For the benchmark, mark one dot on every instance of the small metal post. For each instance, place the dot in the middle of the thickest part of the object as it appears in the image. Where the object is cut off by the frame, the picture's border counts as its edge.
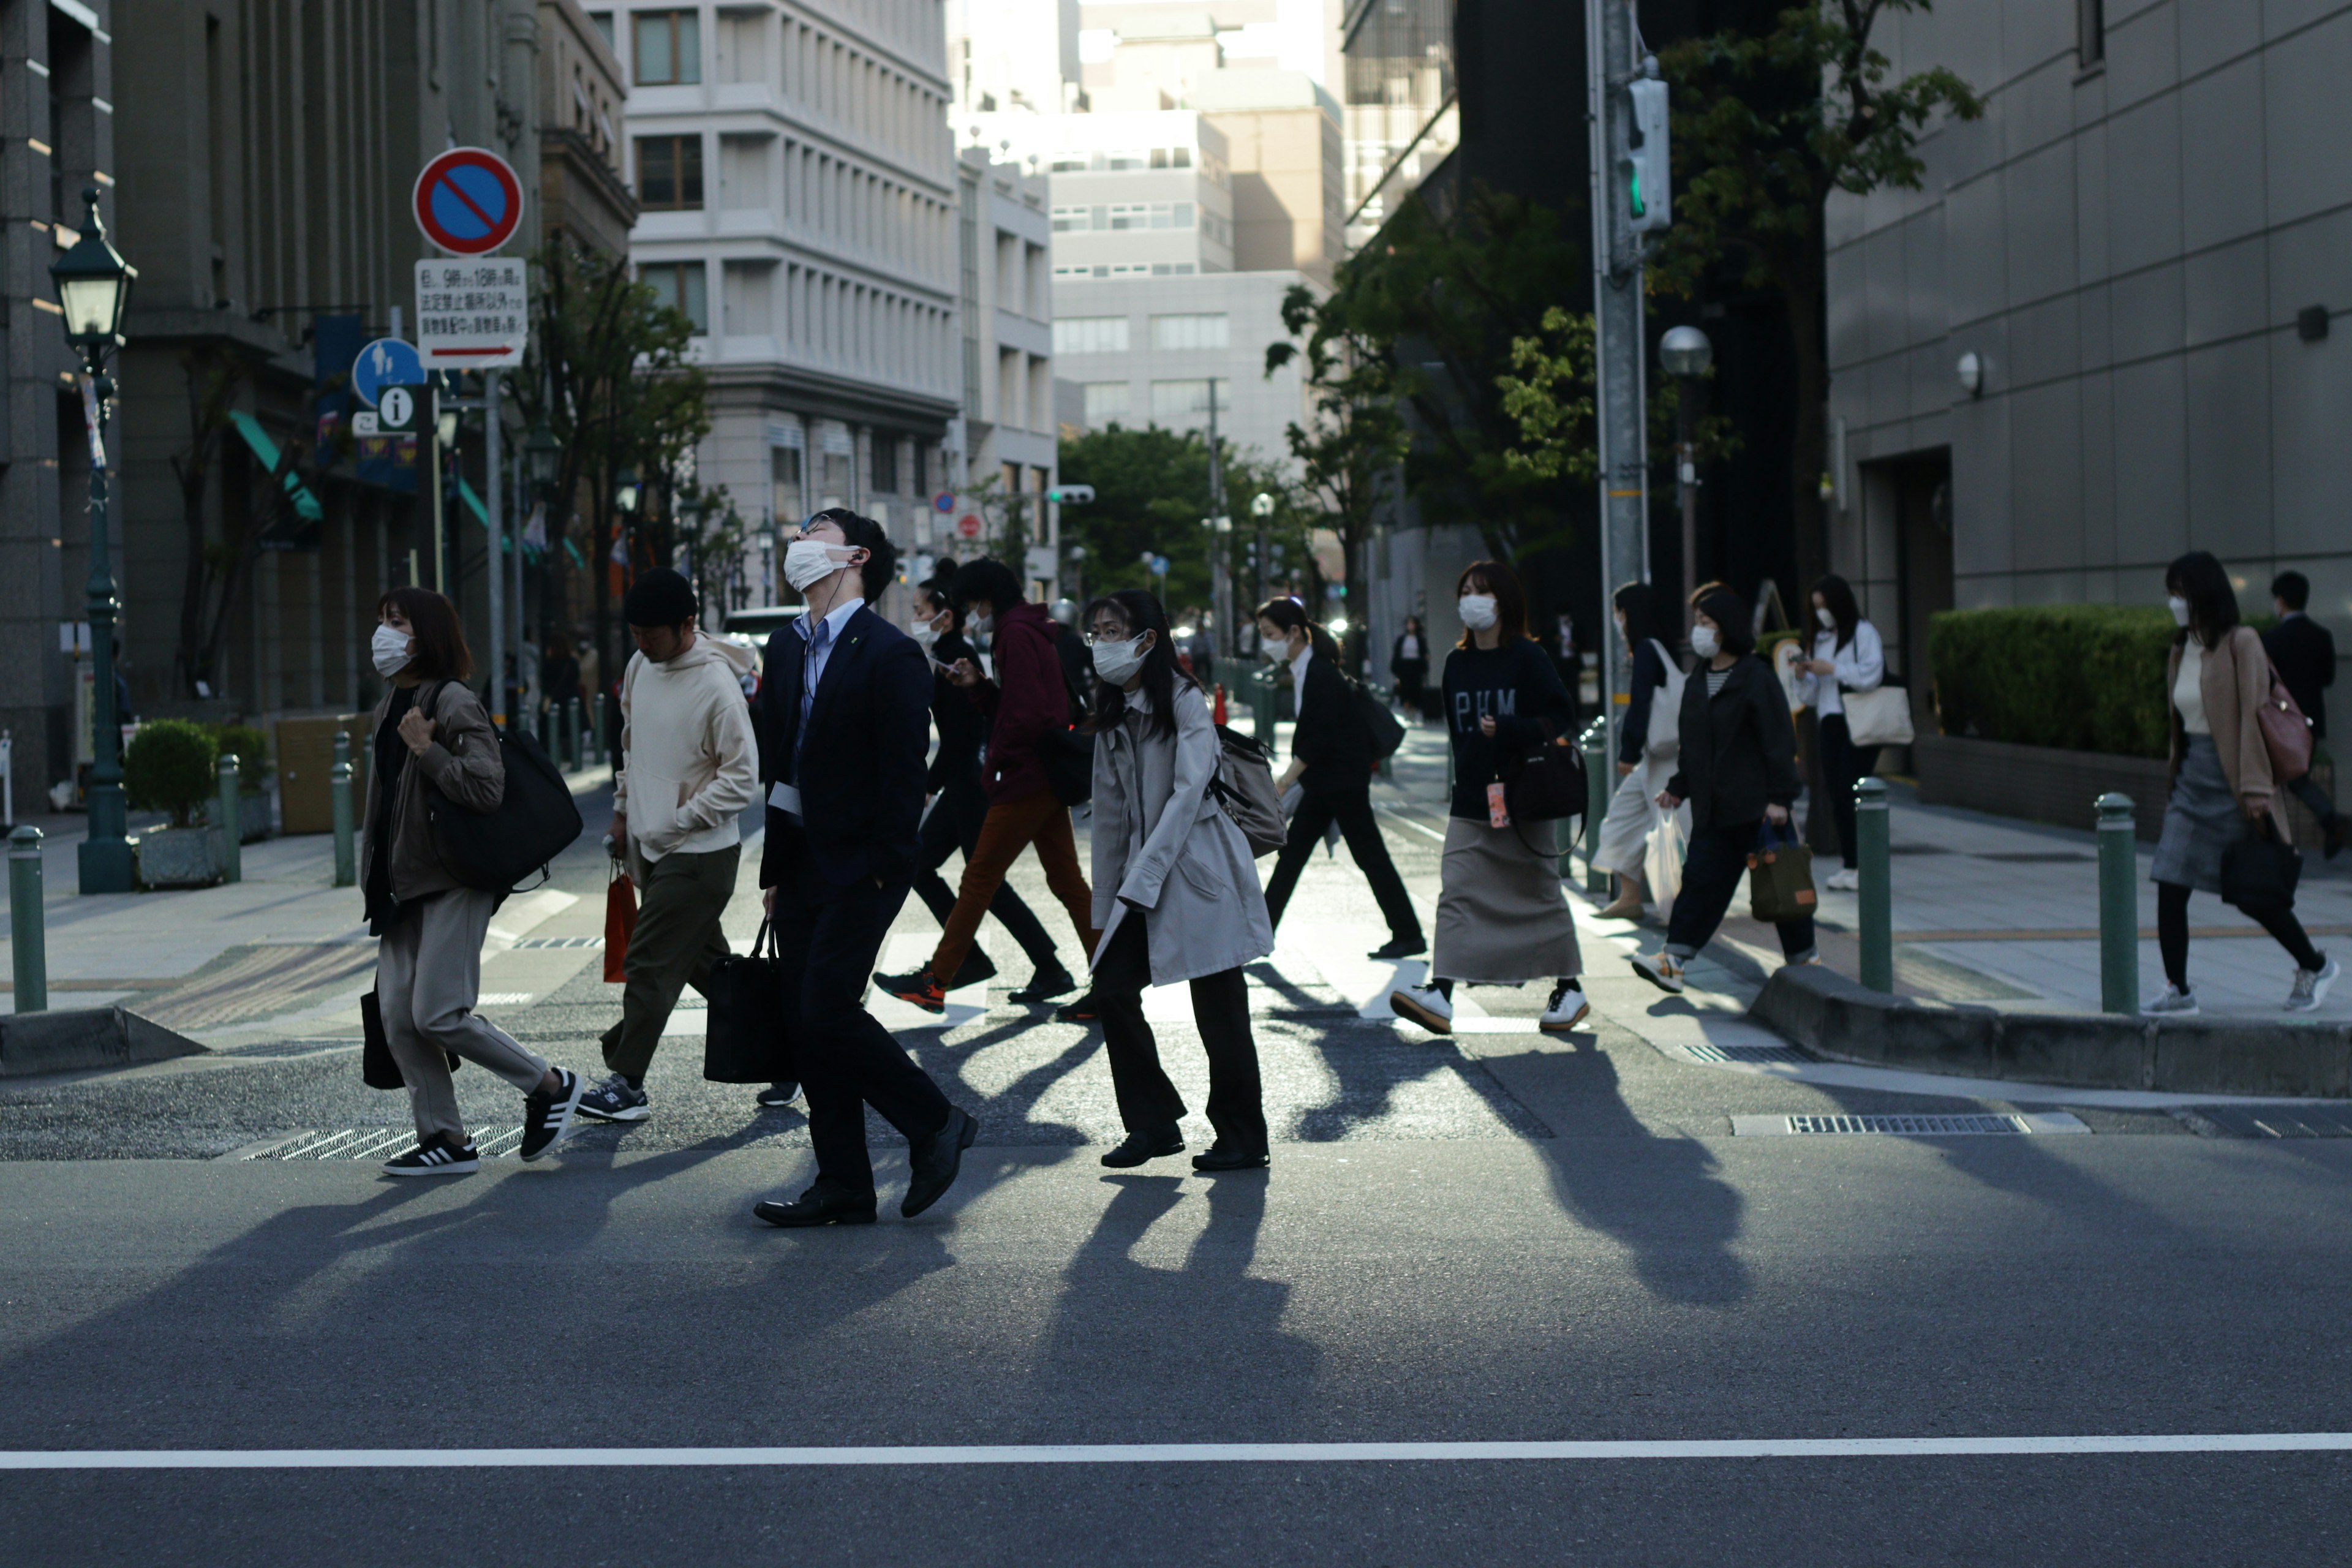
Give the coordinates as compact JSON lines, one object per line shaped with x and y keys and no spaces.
{"x":2119,"y":906}
{"x":1876,"y":892}
{"x":231,"y":822}
{"x":25,"y":917}
{"x":1263,"y":705}
{"x":1597,"y":791}
{"x":340,"y":786}
{"x":572,"y":731}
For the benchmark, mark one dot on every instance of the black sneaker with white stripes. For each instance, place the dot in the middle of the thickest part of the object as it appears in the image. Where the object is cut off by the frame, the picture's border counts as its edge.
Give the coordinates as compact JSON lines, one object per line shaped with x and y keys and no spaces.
{"x":443,"y":1156}
{"x":546,"y":1118}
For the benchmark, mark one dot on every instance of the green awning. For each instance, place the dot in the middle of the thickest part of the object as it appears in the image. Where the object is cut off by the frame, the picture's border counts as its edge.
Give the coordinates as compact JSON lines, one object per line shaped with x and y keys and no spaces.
{"x":465,"y":494}
{"x":577,"y":559}
{"x":305,"y":503}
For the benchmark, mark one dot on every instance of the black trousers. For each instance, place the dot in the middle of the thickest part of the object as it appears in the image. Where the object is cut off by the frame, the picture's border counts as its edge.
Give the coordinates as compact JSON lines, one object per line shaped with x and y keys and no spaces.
{"x":2172,"y":934}
{"x":1352,"y":810}
{"x":1841,"y":768}
{"x":953,"y":826}
{"x":829,"y":938}
{"x":1221,"y":1011}
{"x":1712,"y":869}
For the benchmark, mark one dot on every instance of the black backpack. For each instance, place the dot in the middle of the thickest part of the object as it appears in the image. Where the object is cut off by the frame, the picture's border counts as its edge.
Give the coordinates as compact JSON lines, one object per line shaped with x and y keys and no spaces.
{"x":535,"y":821}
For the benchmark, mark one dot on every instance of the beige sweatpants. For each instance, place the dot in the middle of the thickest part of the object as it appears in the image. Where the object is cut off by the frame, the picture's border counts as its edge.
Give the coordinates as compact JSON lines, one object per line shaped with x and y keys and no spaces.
{"x":428,"y":971}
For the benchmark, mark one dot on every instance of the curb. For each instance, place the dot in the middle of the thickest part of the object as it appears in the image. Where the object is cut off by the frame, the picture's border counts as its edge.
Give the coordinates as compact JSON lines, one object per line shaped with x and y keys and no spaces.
{"x":1838,"y":1019}
{"x":84,"y":1037}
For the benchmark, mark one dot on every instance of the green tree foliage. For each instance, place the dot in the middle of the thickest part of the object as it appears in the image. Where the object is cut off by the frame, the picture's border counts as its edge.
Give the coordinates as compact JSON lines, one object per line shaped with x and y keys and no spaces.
{"x":1551,"y":397}
{"x":1151,"y":490}
{"x":1766,"y":128}
{"x":169,"y":767}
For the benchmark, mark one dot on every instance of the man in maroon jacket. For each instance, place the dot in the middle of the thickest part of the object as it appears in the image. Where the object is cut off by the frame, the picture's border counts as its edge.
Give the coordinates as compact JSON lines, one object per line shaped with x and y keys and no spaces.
{"x":1027,"y":700}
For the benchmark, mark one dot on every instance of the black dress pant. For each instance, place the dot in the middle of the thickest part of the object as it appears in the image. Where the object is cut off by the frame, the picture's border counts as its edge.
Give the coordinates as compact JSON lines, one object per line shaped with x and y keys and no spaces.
{"x":1352,"y":810}
{"x":1712,"y":868}
{"x":953,"y":825}
{"x":1841,"y":768}
{"x":828,"y":938}
{"x":1221,"y":1011}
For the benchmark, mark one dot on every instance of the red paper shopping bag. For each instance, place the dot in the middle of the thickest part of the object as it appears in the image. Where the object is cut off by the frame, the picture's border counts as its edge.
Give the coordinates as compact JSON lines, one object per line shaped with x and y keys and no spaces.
{"x":620,"y":920}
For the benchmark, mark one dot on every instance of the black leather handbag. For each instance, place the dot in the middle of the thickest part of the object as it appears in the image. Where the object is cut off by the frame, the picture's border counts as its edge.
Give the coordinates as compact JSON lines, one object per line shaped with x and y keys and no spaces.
{"x":1069,"y":759}
{"x":535,"y":820}
{"x":2259,"y":872}
{"x":1545,"y":782}
{"x":745,"y":1040}
{"x":377,"y":1068}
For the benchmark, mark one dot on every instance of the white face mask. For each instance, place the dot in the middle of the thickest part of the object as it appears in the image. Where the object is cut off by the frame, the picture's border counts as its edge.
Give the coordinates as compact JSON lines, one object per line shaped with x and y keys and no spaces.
{"x":1477,"y":611}
{"x":1704,"y":642}
{"x":389,"y":648}
{"x":1272,"y":651}
{"x":2180,"y":608}
{"x":927,"y":632}
{"x":808,"y":561}
{"x":1829,"y":622}
{"x":1116,"y":662}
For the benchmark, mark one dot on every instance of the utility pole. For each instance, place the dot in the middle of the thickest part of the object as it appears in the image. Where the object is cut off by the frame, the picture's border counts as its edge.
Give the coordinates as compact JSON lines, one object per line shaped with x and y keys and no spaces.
{"x":1221,"y":577}
{"x":1628,"y":201}
{"x":491,"y":578}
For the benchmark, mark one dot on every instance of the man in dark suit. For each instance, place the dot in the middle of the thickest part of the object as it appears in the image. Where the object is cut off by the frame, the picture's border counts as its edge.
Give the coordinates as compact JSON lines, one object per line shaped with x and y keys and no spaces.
{"x":845,"y":720}
{"x":2304,"y":654}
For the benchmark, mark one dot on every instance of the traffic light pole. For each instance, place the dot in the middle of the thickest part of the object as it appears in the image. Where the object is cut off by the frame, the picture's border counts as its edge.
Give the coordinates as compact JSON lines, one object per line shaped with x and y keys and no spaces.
{"x":1612,"y":63}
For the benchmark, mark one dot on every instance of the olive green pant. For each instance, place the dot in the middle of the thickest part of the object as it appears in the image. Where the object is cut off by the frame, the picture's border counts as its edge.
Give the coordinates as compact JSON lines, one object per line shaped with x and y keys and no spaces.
{"x":677,"y":939}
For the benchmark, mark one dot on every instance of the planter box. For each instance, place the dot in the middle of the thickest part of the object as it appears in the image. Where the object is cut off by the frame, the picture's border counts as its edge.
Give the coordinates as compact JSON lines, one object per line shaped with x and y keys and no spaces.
{"x":2044,"y":784}
{"x":178,"y":857}
{"x":253,"y":817}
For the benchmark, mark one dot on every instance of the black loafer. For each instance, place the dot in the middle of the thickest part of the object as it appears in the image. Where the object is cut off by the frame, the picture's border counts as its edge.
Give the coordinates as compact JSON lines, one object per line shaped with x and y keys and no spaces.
{"x":1223,"y":1157}
{"x":1151,"y":1143}
{"x":977,"y":966}
{"x":821,"y":1205}
{"x":1399,"y":947}
{"x":1085,"y":1010}
{"x":1050,"y":980}
{"x":936,"y":1164}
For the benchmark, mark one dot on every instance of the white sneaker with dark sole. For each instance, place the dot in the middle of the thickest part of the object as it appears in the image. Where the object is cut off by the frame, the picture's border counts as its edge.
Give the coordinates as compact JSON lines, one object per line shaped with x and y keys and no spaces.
{"x":436,"y":1159}
{"x":1659,"y":971}
{"x":2174,"y":1003}
{"x":1425,"y":1005}
{"x":2311,"y":986}
{"x":546,"y":1118}
{"x":1566,"y":1010}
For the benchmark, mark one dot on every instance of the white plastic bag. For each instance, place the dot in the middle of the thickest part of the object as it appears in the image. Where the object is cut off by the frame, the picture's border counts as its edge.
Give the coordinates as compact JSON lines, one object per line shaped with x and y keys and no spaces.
{"x":1661,"y":856}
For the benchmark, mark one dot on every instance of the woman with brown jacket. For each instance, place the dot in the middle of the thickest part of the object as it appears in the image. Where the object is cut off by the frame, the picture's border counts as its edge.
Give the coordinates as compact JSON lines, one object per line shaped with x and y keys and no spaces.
{"x":2217,"y":679}
{"x":431,"y":731}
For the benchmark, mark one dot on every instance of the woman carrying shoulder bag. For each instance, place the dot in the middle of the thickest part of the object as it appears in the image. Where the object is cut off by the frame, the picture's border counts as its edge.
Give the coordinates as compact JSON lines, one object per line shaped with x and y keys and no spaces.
{"x":1847,"y":657}
{"x":1738,"y":770}
{"x":2218,"y":677}
{"x":1502,"y":919}
{"x":430,"y":731}
{"x":1646,"y":748}
{"x":1176,"y":894}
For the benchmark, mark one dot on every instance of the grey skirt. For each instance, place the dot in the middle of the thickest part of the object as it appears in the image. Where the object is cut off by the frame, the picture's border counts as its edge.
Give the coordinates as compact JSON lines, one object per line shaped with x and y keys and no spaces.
{"x":2200,"y":820}
{"x":1501,"y":916}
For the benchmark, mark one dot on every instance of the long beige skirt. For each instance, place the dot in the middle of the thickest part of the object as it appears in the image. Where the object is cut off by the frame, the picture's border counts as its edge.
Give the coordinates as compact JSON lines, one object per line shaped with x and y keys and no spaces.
{"x":1502,"y":918}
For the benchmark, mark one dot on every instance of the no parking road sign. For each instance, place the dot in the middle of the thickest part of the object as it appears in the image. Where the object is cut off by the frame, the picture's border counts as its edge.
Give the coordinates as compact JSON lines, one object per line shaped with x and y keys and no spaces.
{"x":468,"y":201}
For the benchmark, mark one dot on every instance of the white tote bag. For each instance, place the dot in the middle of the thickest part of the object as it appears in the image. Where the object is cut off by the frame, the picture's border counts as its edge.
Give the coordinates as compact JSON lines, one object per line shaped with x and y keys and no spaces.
{"x":1661,"y":856}
{"x":1663,"y":741}
{"x":1879,"y":717}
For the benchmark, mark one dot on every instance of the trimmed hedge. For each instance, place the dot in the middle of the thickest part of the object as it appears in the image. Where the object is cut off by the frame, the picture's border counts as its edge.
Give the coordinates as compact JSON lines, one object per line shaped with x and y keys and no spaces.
{"x":2085,"y":678}
{"x":169,"y":767}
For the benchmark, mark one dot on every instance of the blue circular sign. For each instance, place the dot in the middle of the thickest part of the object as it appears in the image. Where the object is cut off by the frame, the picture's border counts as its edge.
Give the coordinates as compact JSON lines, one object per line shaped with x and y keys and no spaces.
{"x":387,"y":361}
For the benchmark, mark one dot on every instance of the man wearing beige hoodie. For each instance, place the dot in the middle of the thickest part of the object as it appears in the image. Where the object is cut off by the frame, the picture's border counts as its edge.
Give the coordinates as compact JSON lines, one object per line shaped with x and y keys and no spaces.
{"x":690,"y":766}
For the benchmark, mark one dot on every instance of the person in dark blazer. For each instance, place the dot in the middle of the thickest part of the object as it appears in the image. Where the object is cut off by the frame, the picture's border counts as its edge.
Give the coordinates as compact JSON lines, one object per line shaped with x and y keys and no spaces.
{"x":2304,"y":653}
{"x":1738,"y":769}
{"x":1408,"y":663}
{"x":1331,"y":763}
{"x":844,"y":721}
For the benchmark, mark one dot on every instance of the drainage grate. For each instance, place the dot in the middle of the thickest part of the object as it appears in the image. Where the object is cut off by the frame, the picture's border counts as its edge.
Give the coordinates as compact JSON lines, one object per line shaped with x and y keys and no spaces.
{"x":1952,"y":1126}
{"x":2269,"y":1121}
{"x":377,"y":1143}
{"x":522,"y":942}
{"x":1712,"y":1053}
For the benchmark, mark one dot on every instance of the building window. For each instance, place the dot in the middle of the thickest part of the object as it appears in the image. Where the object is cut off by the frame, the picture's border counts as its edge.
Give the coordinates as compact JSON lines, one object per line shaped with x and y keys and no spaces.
{"x":2091,"y":32}
{"x":679,"y":286}
{"x":669,"y":47}
{"x":1068,"y":164}
{"x":885,"y":474}
{"x":1071,"y":220}
{"x":832,"y":476}
{"x":670,"y":174}
{"x":1090,"y":335}
{"x":1105,"y":401}
{"x":1179,"y":399}
{"x":785,"y":483}
{"x":1131,"y":159}
{"x":603,"y":22}
{"x":1201,"y":331}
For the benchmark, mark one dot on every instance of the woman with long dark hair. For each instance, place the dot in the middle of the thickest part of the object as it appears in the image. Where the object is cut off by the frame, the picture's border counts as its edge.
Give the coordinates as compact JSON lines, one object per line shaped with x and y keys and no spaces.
{"x":1738,"y":769}
{"x":1501,"y":917}
{"x":1176,"y":892}
{"x":2217,"y":679}
{"x":1848,"y":655}
{"x":1331,"y":763}
{"x":1408,"y":663}
{"x":1646,"y":746}
{"x":430,"y":730}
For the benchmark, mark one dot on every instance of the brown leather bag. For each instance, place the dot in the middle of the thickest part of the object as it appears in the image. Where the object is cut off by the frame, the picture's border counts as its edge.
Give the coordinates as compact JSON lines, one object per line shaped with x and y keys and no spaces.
{"x":2286,"y":733}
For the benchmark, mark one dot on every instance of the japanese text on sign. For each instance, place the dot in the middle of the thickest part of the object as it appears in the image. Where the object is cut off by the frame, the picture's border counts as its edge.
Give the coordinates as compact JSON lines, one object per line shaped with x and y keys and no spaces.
{"x":472,"y":312}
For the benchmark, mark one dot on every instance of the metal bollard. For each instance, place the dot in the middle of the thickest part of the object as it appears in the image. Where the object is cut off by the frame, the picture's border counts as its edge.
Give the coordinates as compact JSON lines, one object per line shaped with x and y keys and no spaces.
{"x":1598,"y":778}
{"x":572,"y":731}
{"x":339,"y":785}
{"x":231,"y":822}
{"x":25,"y":917}
{"x":2119,"y":906}
{"x":1876,"y":893}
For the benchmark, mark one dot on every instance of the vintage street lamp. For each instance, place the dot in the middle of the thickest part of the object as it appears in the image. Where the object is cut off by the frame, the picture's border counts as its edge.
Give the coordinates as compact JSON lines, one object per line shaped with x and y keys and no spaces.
{"x":542,"y":455}
{"x":1686,"y":354}
{"x":93,"y":290}
{"x":625,"y":487}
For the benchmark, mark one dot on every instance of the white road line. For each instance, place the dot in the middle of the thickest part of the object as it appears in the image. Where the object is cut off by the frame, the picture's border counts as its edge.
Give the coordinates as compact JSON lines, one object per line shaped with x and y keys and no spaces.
{"x":1172,"y":1453}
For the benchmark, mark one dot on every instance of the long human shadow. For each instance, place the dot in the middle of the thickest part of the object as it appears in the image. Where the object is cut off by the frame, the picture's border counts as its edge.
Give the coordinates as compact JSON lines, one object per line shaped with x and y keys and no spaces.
{"x":1370,"y":1062}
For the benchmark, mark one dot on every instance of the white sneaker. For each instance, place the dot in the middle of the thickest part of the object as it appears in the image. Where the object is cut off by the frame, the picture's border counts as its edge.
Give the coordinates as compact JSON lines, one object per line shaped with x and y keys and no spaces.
{"x":1567,"y":1008}
{"x":1661,"y":970}
{"x":2177,"y":1004}
{"x":1425,"y":1005}
{"x":2311,"y":986}
{"x":1843,"y":882}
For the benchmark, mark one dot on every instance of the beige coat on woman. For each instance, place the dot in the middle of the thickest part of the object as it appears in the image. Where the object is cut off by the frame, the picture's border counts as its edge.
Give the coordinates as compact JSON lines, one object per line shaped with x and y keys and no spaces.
{"x":2235,"y":682}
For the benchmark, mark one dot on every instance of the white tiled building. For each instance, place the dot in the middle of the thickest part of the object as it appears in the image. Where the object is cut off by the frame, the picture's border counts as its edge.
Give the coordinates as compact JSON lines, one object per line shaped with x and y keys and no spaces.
{"x":799,"y":195}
